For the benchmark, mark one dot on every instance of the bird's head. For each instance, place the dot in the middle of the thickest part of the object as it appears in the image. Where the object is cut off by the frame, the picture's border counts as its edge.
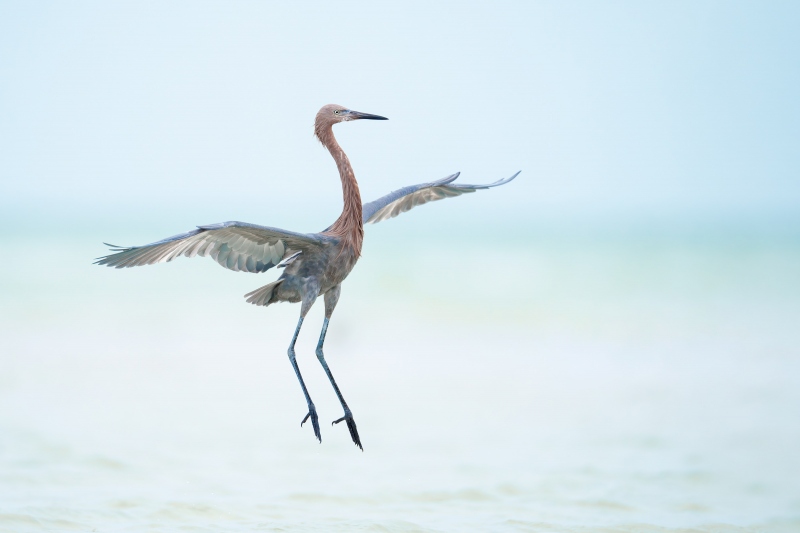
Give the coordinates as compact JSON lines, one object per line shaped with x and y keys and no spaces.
{"x":333,"y":114}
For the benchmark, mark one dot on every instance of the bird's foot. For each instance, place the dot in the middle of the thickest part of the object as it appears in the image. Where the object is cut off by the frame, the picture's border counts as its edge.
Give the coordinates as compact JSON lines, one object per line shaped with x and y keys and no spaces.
{"x":312,"y":413}
{"x":351,"y":425}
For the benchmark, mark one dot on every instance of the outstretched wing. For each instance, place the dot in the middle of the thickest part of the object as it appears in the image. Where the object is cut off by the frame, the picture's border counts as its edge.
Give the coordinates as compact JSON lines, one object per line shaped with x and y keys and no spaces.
{"x":237,"y":246}
{"x":402,"y":200}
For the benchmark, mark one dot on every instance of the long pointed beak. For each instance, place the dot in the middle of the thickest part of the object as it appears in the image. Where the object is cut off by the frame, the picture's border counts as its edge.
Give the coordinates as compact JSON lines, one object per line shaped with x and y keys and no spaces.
{"x":356,"y":115}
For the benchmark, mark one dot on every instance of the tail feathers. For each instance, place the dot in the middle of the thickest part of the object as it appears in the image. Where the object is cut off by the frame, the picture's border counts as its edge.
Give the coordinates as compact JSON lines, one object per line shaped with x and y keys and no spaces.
{"x":263,"y":295}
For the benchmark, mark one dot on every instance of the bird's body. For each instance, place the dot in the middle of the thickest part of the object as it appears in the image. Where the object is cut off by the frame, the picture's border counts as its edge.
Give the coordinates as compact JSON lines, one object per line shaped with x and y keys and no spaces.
{"x":308,"y":276}
{"x":315,"y":264}
{"x":321,"y":272}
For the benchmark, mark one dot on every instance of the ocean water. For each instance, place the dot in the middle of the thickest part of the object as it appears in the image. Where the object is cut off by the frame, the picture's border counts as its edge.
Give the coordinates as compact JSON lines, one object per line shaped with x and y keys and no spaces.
{"x":544,"y":382}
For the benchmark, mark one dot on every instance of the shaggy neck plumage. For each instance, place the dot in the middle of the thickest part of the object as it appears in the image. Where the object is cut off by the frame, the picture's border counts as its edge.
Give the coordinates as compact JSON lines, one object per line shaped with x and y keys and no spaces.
{"x":349,"y":226}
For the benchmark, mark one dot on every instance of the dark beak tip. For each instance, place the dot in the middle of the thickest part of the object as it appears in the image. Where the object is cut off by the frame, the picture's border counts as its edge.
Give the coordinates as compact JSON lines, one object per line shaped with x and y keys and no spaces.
{"x":367,"y":116}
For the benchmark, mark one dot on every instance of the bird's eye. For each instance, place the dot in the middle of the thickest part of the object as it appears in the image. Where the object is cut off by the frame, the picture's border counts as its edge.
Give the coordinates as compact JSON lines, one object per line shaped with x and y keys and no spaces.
{"x":336,"y":112}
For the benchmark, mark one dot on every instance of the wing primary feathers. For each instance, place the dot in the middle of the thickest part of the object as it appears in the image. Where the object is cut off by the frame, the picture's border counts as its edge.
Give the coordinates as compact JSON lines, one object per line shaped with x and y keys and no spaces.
{"x":238,"y":246}
{"x":407,"y":198}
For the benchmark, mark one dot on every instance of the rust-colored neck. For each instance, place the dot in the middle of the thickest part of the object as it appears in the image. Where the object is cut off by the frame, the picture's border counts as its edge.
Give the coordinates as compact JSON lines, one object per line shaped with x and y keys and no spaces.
{"x":349,"y":226}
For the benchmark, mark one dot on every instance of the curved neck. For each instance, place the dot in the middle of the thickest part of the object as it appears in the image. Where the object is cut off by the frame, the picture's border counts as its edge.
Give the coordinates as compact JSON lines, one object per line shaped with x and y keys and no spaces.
{"x":349,"y":226}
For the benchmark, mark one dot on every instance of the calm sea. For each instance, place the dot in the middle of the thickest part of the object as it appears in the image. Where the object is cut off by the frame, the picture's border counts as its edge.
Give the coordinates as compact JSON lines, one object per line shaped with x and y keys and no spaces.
{"x":546,"y":381}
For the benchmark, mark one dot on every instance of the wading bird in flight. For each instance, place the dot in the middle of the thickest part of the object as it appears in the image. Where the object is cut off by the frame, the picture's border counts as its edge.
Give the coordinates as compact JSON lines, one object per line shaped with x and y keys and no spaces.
{"x":315,"y":264}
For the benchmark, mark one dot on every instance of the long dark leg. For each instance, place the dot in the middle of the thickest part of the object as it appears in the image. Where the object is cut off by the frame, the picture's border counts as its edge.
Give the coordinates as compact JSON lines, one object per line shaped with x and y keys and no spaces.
{"x":331,"y":298}
{"x":312,"y":411}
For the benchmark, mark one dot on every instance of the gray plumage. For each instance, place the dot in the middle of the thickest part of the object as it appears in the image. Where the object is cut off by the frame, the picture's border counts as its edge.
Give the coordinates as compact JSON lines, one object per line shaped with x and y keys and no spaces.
{"x":237,"y":246}
{"x":314,"y":264}
{"x":407,"y":198}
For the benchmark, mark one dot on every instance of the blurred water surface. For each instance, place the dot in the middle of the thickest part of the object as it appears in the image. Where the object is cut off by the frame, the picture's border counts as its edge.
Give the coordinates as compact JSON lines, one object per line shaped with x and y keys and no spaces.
{"x":613,"y":378}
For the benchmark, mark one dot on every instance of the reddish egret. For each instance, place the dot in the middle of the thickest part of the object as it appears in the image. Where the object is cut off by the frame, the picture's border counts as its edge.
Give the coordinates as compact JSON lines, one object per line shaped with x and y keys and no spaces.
{"x":315,"y":264}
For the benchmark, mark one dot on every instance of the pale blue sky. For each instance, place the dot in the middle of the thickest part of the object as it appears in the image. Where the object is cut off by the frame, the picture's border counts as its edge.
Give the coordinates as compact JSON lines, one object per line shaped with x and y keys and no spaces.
{"x":205,"y":108}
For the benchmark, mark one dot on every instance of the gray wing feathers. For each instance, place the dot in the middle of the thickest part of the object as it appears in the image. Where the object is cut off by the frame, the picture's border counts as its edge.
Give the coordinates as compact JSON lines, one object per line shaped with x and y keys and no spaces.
{"x":407,"y":198}
{"x":234,"y":245}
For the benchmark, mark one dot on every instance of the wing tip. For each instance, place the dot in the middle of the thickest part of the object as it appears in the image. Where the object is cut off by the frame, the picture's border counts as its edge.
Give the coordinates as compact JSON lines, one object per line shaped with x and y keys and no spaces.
{"x":451,"y":177}
{"x":118,"y":248}
{"x":503,"y":182}
{"x":106,"y":260}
